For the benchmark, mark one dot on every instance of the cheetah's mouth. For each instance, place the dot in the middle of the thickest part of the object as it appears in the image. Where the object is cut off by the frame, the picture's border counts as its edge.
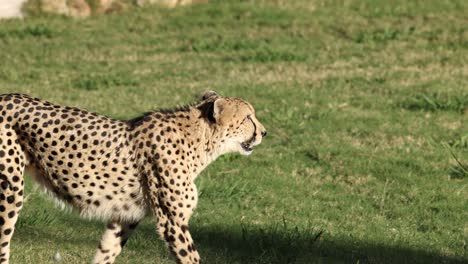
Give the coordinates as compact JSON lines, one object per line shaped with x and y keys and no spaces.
{"x":246,"y":147}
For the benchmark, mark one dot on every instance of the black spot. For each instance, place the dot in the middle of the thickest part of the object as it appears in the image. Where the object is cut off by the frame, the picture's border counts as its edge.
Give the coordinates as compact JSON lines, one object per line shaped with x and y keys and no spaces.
{"x":170,"y":238}
{"x":11,"y":199}
{"x":181,"y":238}
{"x":183,"y":252}
{"x":11,"y":214}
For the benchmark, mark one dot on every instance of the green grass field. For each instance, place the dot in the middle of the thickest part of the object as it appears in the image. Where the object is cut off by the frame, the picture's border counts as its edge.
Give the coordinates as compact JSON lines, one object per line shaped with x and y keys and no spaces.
{"x":365,"y":102}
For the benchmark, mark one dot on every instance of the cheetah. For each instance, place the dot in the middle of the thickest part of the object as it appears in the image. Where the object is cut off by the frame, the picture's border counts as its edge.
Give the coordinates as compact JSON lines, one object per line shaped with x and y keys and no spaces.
{"x":119,"y":171}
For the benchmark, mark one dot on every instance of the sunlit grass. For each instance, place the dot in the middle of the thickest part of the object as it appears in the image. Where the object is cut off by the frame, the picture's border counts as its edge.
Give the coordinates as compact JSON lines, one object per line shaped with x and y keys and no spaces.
{"x":365,"y":103}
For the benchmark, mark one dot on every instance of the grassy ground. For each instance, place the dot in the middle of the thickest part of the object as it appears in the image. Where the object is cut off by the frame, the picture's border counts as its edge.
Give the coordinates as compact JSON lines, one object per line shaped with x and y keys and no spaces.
{"x":366,"y":104}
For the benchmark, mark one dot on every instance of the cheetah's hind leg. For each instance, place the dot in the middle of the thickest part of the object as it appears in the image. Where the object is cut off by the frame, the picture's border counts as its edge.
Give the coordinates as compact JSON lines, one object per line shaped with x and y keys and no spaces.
{"x":112,"y":241}
{"x":12,"y":164}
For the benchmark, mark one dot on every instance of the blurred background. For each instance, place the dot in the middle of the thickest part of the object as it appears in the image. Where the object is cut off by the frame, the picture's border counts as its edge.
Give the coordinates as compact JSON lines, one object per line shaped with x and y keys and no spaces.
{"x":365,"y":103}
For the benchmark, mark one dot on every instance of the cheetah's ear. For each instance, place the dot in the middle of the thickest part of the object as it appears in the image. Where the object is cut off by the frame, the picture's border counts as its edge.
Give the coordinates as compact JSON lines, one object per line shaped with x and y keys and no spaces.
{"x":209,"y":94}
{"x":219,"y":107}
{"x":213,"y":110}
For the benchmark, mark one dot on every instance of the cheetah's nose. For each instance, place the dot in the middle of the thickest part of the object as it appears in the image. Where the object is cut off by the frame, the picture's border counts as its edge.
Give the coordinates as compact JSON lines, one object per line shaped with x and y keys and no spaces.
{"x":264,"y":133}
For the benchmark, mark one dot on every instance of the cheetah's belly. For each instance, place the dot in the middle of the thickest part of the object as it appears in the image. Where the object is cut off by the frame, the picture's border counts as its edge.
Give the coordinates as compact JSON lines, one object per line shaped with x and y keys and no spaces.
{"x":93,"y":198}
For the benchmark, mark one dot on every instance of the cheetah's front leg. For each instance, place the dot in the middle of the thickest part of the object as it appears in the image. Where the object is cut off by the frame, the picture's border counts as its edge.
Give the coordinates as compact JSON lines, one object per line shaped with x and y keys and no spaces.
{"x":177,"y":237}
{"x":112,"y":241}
{"x":173,"y":210}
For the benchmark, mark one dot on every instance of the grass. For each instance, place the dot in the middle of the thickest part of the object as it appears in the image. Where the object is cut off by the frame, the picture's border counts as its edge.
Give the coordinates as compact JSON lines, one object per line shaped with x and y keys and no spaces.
{"x":365,"y":103}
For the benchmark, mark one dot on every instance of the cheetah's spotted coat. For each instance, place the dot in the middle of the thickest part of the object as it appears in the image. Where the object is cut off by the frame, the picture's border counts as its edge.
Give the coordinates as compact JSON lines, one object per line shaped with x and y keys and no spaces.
{"x":116,"y":170}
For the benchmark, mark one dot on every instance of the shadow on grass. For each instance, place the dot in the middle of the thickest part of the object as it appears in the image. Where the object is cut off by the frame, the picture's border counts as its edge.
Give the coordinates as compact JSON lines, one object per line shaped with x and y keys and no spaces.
{"x":253,"y":244}
{"x":240,"y":244}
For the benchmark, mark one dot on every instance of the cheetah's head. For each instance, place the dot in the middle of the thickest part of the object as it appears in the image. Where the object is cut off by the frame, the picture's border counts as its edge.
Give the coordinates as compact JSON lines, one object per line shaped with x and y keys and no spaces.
{"x":235,"y":123}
